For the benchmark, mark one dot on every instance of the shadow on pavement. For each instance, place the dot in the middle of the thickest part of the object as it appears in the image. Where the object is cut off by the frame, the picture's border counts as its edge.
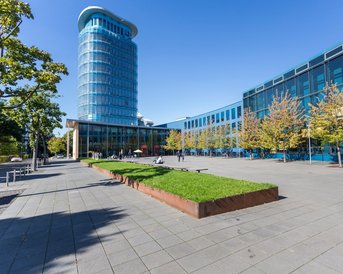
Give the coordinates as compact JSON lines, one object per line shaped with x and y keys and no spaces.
{"x":101,"y":183}
{"x":52,"y":240}
{"x":35,"y":176}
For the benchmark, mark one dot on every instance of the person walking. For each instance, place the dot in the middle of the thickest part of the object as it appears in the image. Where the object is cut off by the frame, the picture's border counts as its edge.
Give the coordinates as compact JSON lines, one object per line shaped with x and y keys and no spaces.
{"x":178,"y":156}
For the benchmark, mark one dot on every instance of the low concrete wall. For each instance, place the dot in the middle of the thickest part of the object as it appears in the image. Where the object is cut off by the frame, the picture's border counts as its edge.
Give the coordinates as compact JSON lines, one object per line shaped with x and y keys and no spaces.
{"x":202,"y":209}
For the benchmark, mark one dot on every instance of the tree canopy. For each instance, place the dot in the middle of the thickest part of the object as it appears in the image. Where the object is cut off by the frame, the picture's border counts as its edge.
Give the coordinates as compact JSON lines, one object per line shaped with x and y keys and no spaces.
{"x":281,"y":128}
{"x":24,"y":71}
{"x":326,"y":119}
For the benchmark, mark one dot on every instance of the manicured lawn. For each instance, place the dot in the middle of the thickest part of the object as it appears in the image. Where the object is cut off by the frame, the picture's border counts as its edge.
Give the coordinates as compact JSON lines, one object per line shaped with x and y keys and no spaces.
{"x":197,"y":187}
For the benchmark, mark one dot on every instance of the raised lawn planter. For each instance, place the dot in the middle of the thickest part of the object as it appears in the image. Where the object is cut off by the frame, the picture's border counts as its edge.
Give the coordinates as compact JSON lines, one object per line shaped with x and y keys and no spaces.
{"x":198,"y":209}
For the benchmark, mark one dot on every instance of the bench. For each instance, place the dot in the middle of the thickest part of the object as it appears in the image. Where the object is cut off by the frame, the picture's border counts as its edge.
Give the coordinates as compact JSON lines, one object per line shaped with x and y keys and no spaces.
{"x":201,"y":169}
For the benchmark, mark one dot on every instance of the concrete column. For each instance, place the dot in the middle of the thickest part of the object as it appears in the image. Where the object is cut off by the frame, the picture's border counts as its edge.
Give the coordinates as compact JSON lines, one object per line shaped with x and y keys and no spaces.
{"x":76,"y":141}
{"x":68,"y":145}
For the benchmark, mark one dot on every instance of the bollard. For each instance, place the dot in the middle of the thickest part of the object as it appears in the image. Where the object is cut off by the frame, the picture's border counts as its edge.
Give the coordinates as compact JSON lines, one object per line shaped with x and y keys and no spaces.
{"x":7,"y":177}
{"x":14,"y":173}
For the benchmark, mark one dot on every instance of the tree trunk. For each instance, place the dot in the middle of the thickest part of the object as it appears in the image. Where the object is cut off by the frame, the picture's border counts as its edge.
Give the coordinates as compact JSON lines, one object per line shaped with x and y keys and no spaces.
{"x":34,"y":154}
{"x":339,"y":156}
{"x":44,"y":151}
{"x":284,"y":156}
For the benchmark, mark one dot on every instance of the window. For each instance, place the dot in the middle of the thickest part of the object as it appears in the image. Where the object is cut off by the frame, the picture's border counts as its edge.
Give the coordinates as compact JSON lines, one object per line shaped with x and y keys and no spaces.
{"x":222,"y":116}
{"x":233,"y":113}
{"x":189,"y":124}
{"x":290,"y":87}
{"x":217,"y":118}
{"x":185,"y":125}
{"x":200,"y":122}
{"x":335,"y":70}
{"x":208,"y":120}
{"x":212,"y":119}
{"x":317,"y":79}
{"x":204,"y":121}
{"x":196,"y":122}
{"x":260,"y":101}
{"x":233,"y":126}
{"x":239,"y":112}
{"x":192,"y":123}
{"x":227,"y":112}
{"x":302,"y":85}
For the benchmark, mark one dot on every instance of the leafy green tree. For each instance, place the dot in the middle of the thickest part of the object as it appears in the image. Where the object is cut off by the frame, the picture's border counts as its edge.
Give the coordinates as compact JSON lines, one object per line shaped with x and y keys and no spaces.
{"x":57,"y":145}
{"x":173,"y":141}
{"x":281,"y":129}
{"x":9,"y":146}
{"x":40,"y":115}
{"x":326,"y":119}
{"x":189,"y":142}
{"x":202,"y":140}
{"x":249,"y":135}
{"x":24,"y":71}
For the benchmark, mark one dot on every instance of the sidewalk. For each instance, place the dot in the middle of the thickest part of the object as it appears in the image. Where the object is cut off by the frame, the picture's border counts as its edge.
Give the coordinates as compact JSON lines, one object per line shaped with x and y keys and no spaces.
{"x":71,"y":219}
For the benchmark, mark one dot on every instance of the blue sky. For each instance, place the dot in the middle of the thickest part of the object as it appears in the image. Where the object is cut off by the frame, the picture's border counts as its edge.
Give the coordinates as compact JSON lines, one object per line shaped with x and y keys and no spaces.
{"x":194,"y":55}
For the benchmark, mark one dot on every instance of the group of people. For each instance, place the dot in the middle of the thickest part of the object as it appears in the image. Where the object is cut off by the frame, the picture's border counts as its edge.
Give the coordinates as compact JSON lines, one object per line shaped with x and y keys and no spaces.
{"x":180,"y":156}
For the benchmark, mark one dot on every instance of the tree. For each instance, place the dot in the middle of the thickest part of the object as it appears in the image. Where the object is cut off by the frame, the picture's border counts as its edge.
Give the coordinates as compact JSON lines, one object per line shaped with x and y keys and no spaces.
{"x":40,"y":115}
{"x":189,"y":140}
{"x":24,"y":71}
{"x":249,"y":135}
{"x":56,"y":145}
{"x":173,"y":141}
{"x":281,"y":129}
{"x":326,"y":119}
{"x":202,"y":140}
{"x":211,"y":138}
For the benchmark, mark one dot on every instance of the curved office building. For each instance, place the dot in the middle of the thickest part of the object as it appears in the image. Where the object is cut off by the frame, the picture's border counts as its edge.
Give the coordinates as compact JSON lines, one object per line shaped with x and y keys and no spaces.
{"x":107,"y":69}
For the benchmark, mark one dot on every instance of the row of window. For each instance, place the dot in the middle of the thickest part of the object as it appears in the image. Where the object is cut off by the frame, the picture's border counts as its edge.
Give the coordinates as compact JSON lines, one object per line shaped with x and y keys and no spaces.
{"x":103,"y":89}
{"x":303,"y":85}
{"x":101,"y":37}
{"x":100,"y":68}
{"x":108,"y":100}
{"x":123,"y":80}
{"x":112,"y":49}
{"x":110,"y":140}
{"x":115,"y":28}
{"x":214,"y":118}
{"x":229,"y":128}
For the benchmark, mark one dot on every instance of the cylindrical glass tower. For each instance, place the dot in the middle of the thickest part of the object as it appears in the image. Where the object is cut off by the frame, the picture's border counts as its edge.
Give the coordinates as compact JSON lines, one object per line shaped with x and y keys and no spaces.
{"x":107,"y":68}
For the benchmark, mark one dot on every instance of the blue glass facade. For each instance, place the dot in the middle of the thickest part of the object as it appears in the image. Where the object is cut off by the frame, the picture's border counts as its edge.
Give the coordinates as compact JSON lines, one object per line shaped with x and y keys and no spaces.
{"x":306,"y":82}
{"x":107,"y":68}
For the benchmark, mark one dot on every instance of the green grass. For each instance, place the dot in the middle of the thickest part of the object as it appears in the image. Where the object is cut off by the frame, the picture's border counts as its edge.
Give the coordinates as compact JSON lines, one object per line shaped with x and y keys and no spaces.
{"x":198,"y":187}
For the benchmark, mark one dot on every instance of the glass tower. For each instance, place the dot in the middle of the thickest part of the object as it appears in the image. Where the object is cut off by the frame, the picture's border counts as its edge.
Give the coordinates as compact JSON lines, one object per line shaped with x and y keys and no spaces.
{"x":107,"y":68}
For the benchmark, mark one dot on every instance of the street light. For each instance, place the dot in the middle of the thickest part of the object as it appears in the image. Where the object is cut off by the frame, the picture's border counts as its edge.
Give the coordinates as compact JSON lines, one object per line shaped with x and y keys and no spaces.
{"x":309,"y":140}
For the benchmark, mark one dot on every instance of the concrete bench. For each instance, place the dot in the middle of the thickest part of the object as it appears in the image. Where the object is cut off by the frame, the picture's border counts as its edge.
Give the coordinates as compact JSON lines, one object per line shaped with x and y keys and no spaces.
{"x":200,"y":169}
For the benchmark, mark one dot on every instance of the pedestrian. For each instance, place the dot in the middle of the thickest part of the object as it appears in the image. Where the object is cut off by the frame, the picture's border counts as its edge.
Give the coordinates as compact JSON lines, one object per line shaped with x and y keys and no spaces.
{"x":183,"y":157}
{"x":178,"y":156}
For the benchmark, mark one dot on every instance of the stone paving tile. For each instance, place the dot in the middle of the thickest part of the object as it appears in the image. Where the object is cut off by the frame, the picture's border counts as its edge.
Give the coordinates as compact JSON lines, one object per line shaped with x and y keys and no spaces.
{"x":202,"y":258}
{"x":122,"y":256}
{"x":134,"y":266}
{"x":315,"y":268}
{"x":169,"y":268}
{"x":156,"y":259}
{"x":169,"y":241}
{"x":147,"y":248}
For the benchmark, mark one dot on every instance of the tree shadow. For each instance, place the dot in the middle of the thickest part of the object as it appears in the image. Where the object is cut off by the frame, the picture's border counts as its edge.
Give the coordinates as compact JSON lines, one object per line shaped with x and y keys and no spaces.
{"x":35,"y":176}
{"x":50,"y":241}
{"x":137,"y":173}
{"x":106,"y":182}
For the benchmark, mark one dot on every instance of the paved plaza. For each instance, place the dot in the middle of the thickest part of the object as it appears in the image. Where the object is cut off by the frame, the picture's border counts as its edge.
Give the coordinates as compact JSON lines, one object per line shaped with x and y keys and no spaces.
{"x":72,"y":219}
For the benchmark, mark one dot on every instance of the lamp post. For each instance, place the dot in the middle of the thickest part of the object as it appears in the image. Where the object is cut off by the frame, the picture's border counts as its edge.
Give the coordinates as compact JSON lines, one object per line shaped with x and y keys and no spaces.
{"x":309,"y":141}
